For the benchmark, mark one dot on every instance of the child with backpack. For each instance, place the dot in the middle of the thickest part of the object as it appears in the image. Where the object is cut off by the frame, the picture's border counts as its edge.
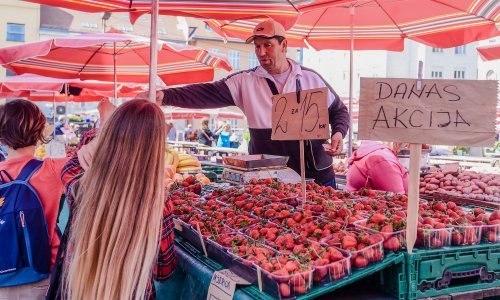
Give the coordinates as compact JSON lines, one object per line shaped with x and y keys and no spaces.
{"x":30,"y":191}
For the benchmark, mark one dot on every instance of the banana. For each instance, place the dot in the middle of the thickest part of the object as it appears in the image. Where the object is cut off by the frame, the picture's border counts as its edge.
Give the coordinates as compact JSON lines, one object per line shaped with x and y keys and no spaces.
{"x":189,"y":162}
{"x":175,"y":162}
{"x":188,"y":169}
{"x":183,"y":156}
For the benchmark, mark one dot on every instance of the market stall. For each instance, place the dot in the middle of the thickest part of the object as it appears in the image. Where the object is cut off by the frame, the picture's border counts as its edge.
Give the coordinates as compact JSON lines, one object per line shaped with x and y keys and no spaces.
{"x":354,"y":226}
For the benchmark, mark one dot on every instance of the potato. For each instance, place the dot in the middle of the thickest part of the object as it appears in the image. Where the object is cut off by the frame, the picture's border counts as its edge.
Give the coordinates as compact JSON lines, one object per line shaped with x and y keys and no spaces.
{"x":467,"y":190}
{"x":434,"y":181}
{"x":482,"y":185}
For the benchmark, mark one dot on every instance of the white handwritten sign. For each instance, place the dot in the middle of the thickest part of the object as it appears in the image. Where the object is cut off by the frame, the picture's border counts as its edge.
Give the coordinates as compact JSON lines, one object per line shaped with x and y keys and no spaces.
{"x":444,"y":112}
{"x":223,"y":285}
{"x":306,"y":119}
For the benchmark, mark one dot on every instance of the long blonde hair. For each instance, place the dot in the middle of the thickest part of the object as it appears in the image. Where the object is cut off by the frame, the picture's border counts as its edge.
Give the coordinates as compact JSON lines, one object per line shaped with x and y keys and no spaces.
{"x":119,"y":206}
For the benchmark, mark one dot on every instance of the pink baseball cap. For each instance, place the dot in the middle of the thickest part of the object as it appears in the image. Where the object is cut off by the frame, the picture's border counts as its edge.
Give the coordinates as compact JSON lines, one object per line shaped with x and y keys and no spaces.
{"x":267,"y":28}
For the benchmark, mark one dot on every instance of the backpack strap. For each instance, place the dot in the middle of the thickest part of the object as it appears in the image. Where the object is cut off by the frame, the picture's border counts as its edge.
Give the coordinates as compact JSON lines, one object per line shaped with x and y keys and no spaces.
{"x":2,"y":180}
{"x":29,"y":169}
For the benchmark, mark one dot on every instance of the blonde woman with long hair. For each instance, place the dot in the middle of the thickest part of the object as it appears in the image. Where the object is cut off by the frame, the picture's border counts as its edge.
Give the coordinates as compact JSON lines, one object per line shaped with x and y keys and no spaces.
{"x":121,"y":233}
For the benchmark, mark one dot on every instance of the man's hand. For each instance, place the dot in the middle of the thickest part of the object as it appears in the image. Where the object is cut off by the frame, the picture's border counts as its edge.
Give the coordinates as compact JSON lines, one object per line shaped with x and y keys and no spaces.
{"x":105,"y":109}
{"x":337,"y":144}
{"x":145,"y":96}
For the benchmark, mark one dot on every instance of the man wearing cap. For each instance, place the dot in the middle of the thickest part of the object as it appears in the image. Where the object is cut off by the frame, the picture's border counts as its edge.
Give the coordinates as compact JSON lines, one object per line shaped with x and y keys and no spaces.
{"x":252,"y":90}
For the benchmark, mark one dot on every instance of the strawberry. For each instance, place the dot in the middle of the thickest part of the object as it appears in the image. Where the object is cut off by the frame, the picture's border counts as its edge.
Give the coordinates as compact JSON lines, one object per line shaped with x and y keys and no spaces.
{"x":377,"y":218}
{"x":392,"y":244}
{"x":477,"y":211}
{"x":348,"y":242}
{"x":387,"y":228}
{"x":492,"y":237}
{"x":439,"y":206}
{"x":299,"y":289}
{"x":360,"y":262}
{"x":456,"y":237}
{"x":284,"y":290}
{"x":290,"y":266}
{"x":281,"y":275}
{"x":451,"y":205}
{"x":297,"y":280}
{"x":495,"y":215}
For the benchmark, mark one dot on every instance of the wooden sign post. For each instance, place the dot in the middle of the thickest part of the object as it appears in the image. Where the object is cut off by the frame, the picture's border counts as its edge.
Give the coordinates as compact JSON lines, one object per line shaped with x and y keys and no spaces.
{"x":301,"y":116}
{"x":440,"y":112}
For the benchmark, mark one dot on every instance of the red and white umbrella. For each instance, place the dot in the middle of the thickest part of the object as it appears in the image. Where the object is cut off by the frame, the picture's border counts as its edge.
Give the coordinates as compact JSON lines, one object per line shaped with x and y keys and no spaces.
{"x":283,"y":11}
{"x":383,"y":24}
{"x":111,"y":57}
{"x":41,"y":88}
{"x":490,"y":52}
{"x":190,"y":114}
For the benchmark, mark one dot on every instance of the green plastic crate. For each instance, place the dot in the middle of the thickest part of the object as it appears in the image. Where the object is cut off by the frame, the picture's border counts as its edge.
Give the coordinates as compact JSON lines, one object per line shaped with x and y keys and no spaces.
{"x":215,"y":170}
{"x":394,"y":280}
{"x":454,"y":270}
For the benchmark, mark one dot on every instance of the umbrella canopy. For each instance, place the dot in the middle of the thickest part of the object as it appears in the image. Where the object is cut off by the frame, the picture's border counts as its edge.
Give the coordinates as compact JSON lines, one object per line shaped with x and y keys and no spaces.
{"x":384,"y":24}
{"x":284,"y":11}
{"x":489,"y":52}
{"x":190,"y":114}
{"x":41,"y":88}
{"x":94,"y":56}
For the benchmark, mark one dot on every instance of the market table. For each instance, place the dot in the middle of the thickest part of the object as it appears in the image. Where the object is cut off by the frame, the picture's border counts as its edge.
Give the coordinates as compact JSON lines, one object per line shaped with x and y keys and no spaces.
{"x":194,"y":272}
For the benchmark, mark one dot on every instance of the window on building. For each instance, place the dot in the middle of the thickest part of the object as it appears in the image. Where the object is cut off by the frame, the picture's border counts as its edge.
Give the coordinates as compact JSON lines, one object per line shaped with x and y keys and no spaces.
{"x":437,"y":50}
{"x":437,"y":74}
{"x":459,"y":74}
{"x":234,"y":59}
{"x":125,"y":28}
{"x":215,"y":51}
{"x":460,"y":50}
{"x":89,"y":25}
{"x":490,"y":75}
{"x":253,"y":61}
{"x":15,"y":32}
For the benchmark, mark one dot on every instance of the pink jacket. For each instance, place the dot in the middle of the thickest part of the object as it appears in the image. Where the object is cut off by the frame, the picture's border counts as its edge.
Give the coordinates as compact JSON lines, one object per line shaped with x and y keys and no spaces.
{"x":378,"y":162}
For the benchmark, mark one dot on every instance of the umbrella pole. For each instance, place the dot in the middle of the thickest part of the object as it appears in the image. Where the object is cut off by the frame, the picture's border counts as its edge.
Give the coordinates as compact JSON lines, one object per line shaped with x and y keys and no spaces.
{"x":66,"y":93}
{"x":153,"y":52}
{"x":115,"y":92}
{"x":54,"y":112}
{"x":351,"y":71}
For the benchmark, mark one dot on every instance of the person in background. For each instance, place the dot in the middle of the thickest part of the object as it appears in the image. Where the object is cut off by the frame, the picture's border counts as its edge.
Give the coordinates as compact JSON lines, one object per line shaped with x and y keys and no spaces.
{"x":188,"y":133}
{"x":205,"y":135}
{"x":59,"y":125}
{"x":252,"y":90}
{"x":121,"y":234}
{"x":376,"y":165}
{"x":224,"y":135}
{"x":22,"y":126}
{"x":172,"y":134}
{"x":3,"y":152}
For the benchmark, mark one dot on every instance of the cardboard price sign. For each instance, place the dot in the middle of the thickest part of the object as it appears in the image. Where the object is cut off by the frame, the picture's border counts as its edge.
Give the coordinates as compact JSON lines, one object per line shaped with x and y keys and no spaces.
{"x":443,"y":112}
{"x":223,"y":285}
{"x":306,"y":119}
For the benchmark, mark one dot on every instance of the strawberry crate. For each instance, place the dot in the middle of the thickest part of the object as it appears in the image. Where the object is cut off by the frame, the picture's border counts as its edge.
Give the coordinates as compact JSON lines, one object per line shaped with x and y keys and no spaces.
{"x":455,"y":270}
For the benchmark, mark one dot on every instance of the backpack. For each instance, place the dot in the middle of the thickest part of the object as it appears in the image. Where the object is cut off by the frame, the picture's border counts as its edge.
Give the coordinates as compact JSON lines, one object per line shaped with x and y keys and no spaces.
{"x":25,"y":247}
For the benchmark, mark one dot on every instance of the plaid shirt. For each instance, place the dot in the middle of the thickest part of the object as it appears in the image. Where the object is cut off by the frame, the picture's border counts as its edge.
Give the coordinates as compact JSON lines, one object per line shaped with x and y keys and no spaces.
{"x":166,"y":260}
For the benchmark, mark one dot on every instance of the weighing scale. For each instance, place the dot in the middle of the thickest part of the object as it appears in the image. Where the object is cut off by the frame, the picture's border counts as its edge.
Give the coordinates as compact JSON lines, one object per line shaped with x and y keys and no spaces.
{"x":241,"y":168}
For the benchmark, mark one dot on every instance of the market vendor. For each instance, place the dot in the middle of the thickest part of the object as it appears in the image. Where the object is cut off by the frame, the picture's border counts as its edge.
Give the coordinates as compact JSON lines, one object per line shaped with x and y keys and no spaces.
{"x":376,"y":165}
{"x":252,"y":90}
